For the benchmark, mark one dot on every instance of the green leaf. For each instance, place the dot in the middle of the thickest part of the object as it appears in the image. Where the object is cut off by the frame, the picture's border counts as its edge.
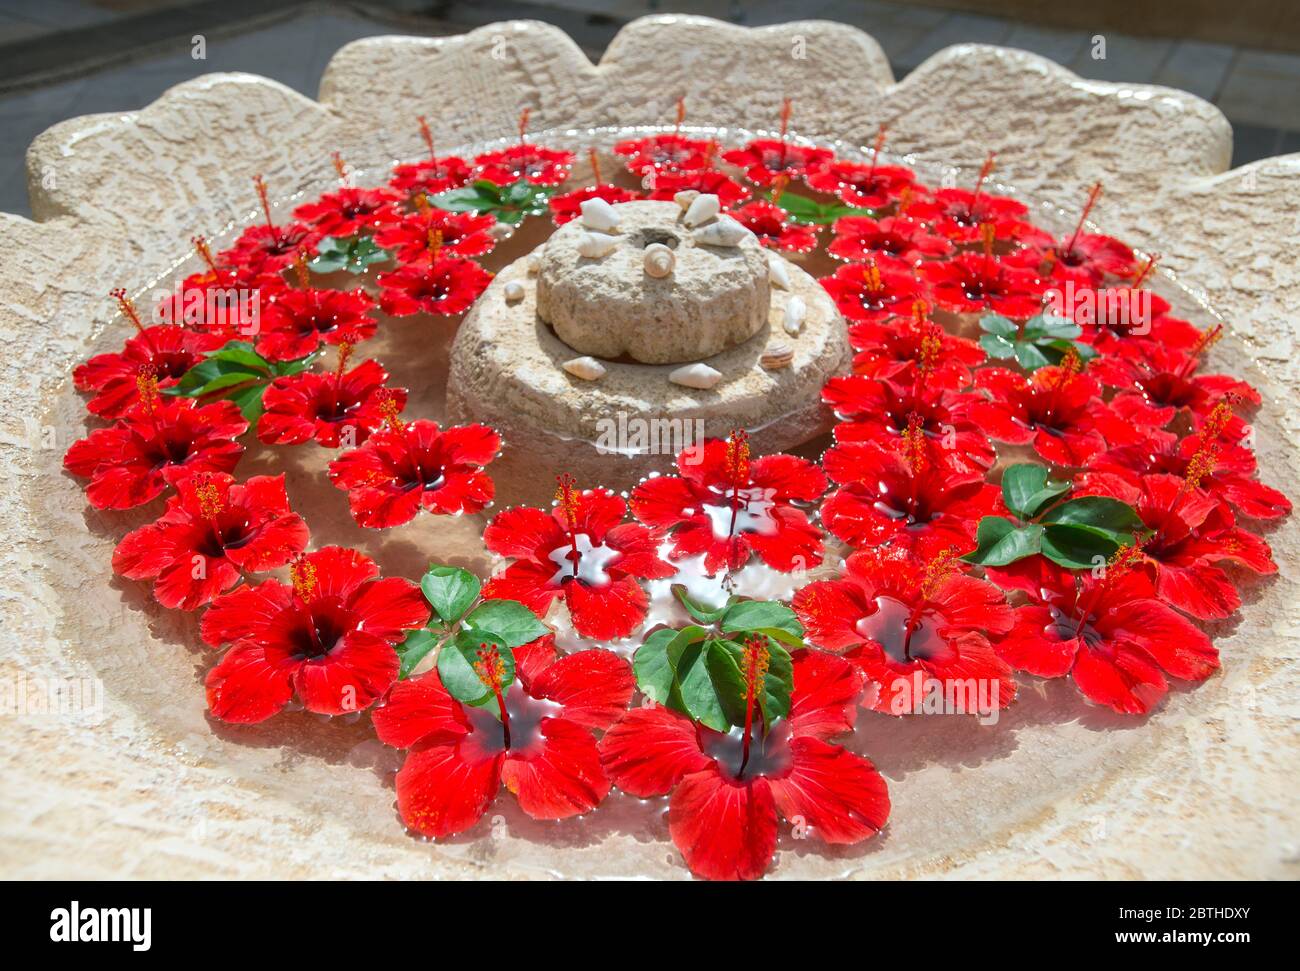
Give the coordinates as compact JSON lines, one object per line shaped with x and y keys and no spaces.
{"x":995,"y":345}
{"x":1043,"y":340}
{"x":351,"y":253}
{"x":699,"y":691}
{"x":998,"y":325}
{"x":1076,"y":547}
{"x":1030,"y":356}
{"x":456,"y":667}
{"x":705,"y":615}
{"x":510,"y":621}
{"x":1025,"y":489}
{"x":778,"y":682}
{"x":1000,"y":541}
{"x":654,"y":670}
{"x":810,"y":212}
{"x":450,"y":591}
{"x":1100,"y":512}
{"x":509,"y":204}
{"x":241,"y":353}
{"x":756,"y":615}
{"x":414,"y":648}
{"x":249,"y":400}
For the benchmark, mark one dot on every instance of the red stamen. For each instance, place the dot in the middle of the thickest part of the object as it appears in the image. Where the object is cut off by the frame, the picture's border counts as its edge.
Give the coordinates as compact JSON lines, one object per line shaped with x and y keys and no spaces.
{"x":205,"y":254}
{"x":491,"y":671}
{"x":756,"y":656}
{"x":1093,"y":193}
{"x":681,"y":116}
{"x":300,"y":271}
{"x":523,"y":125}
{"x":340,"y":166}
{"x":875,"y":151}
{"x":778,"y":188}
{"x":127,"y":307}
{"x":427,"y":135}
{"x":260,"y":183}
{"x":302,"y":575}
{"x":566,"y":497}
{"x":1145,"y":270}
{"x":985,"y":171}
{"x":595,"y":165}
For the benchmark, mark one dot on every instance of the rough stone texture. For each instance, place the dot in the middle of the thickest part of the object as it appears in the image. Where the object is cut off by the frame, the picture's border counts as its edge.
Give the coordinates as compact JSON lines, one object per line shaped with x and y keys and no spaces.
{"x":505,"y":371}
{"x":150,"y":788}
{"x":715,"y":298}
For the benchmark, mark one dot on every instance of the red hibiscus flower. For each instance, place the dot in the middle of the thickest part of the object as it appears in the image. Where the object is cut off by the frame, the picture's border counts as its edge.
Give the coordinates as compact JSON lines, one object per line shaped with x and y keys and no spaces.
{"x":343,"y":407}
{"x":568,"y":207}
{"x":886,"y":412}
{"x":1191,"y":534}
{"x":540,"y":746}
{"x":446,"y":286}
{"x":157,"y":443}
{"x":1157,"y":383}
{"x":666,"y":153}
{"x":1109,"y":633}
{"x":972,"y":283}
{"x":581,"y":551}
{"x":351,"y":210}
{"x":725,"y":506}
{"x":961,"y":214}
{"x":771,"y":224}
{"x":897,"y":351}
{"x":328,"y":638}
{"x":727,"y":792}
{"x":910,"y":624}
{"x":1056,"y":408}
{"x":1230,"y":480}
{"x":540,"y":166}
{"x":453,"y":233}
{"x":405,"y":467}
{"x":867,"y":186}
{"x":297,"y":320}
{"x":269,"y":248}
{"x":1085,"y":259}
{"x":872,"y":293}
{"x":897,"y":238}
{"x":665,"y":185}
{"x":164,"y":351}
{"x":433,"y":174}
{"x":765,"y":159}
{"x":902,"y":498}
{"x":214,"y":530}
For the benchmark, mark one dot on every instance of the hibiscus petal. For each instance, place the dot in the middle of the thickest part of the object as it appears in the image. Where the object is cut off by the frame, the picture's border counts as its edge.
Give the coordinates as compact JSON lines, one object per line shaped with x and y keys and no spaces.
{"x":379,"y":508}
{"x":417,"y":710}
{"x":650,"y":749}
{"x":339,"y":571}
{"x":1200,"y":589}
{"x":795,"y":545}
{"x":1124,"y":679}
{"x":1171,"y":640}
{"x":527,"y":581}
{"x":389,"y":606}
{"x":608,"y":612}
{"x":189,"y":582}
{"x":593,"y":686}
{"x":558,"y":777}
{"x":829,"y":611}
{"x":248,"y":685}
{"x":839,"y":795}
{"x":522,"y":532}
{"x":469,"y":444}
{"x":245,"y":614}
{"x":1038,"y":644}
{"x":790,"y":476}
{"x":725,"y":829}
{"x":274,"y":544}
{"x":446,"y":788}
{"x":824,"y":701}
{"x":661,"y":501}
{"x":461,"y":491}
{"x":348,"y":678}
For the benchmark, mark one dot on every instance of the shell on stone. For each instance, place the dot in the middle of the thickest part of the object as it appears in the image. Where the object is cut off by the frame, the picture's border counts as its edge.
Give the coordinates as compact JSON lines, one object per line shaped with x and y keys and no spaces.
{"x":795,"y":311}
{"x":686,"y":197}
{"x":702,"y":208}
{"x":695,"y":375}
{"x":780,"y":271}
{"x":595,"y":245}
{"x":659,"y":260}
{"x":534,"y":264}
{"x":725,"y":232}
{"x":777,"y":356}
{"x":599,"y":215}
{"x":513,"y":291}
{"x":587,"y":368}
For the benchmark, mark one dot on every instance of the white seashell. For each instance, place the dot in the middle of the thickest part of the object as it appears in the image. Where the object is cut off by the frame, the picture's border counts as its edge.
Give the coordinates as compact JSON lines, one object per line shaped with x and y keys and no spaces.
{"x":695,"y":376}
{"x":501,"y":231}
{"x":780,"y":271}
{"x":513,"y":291}
{"x":595,"y":245}
{"x":777,"y":356}
{"x":795,"y":311}
{"x":600,"y":215}
{"x":686,"y":197}
{"x":659,"y":260}
{"x":587,"y":368}
{"x":534,"y":264}
{"x":701,"y":210}
{"x":725,"y":232}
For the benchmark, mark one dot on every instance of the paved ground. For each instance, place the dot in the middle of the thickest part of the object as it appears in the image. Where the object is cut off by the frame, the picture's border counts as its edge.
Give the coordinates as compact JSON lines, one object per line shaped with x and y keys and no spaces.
{"x":136,"y":49}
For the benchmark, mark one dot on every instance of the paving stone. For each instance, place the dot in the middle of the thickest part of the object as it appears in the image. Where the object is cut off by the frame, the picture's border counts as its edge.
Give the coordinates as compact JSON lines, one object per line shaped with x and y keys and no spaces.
{"x":1251,"y":142}
{"x":1263,"y":88}
{"x":958,"y":29}
{"x":1135,"y":59}
{"x":1197,"y":67}
{"x":1061,"y":46}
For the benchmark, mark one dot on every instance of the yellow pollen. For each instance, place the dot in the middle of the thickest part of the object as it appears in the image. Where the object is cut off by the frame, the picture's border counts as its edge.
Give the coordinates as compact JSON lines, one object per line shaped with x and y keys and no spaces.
{"x":345,"y":353}
{"x":931,"y":346}
{"x":421,"y":202}
{"x":388,"y":407}
{"x":566,"y":497}
{"x":300,"y":269}
{"x":1208,"y":339}
{"x":490,"y":667}
{"x":872,"y":276}
{"x":146,"y":386}
{"x":756,"y":657}
{"x":302,"y":574}
{"x":737,"y":461}
{"x":127,"y":307}
{"x":914,"y":443}
{"x":209,"y":497}
{"x":904,"y":199}
{"x":937,"y":572}
{"x":987,"y":233}
{"x":1123,"y":562}
{"x":435,"y":244}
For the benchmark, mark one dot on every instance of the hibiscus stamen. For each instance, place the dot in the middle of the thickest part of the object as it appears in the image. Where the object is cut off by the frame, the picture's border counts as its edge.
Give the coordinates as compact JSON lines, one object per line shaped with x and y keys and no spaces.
{"x":595,"y":165}
{"x":566,"y":498}
{"x":778,"y":188}
{"x":1145,"y":270}
{"x":146,"y":386}
{"x":875,"y":151}
{"x":755,"y":658}
{"x":389,"y":409}
{"x":523,"y":126}
{"x":205,"y":254}
{"x":1209,"y":337}
{"x":681,"y":117}
{"x":985,"y":171}
{"x":434,"y":246}
{"x":871,"y":275}
{"x":1121,"y":563}
{"x":491,"y":671}
{"x":421,"y":203}
{"x":937,"y":572}
{"x":914,"y":443}
{"x":260,"y":184}
{"x":737,"y":467}
{"x":346,"y":348}
{"x":302,"y":575}
{"x":127,"y":307}
{"x":340,"y":166}
{"x":210,"y":504}
{"x":988,"y":232}
{"x":300,"y":271}
{"x":1093,"y":193}
{"x":427,"y":135}
{"x":787,"y":107}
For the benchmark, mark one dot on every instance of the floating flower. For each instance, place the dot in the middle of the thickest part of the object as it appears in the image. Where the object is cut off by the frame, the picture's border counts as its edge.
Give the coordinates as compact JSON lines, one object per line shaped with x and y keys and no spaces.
{"x":772,"y":225}
{"x":894,"y":240}
{"x":1057,"y":409}
{"x":446,"y":286}
{"x":298,"y":320}
{"x":1082,"y":259}
{"x":431,"y":175}
{"x":1108,"y":633}
{"x":902,"y":498}
{"x":726,"y":506}
{"x":568,"y":207}
{"x":866,"y":293}
{"x":729,"y":790}
{"x":165,"y":351}
{"x":872,"y":186}
{"x":457,"y":233}
{"x":665,"y":185}
{"x":158,"y":442}
{"x":668,"y":152}
{"x":269,"y":248}
{"x":339,"y":408}
{"x":914,"y":626}
{"x":581,"y":551}
{"x":907,"y":350}
{"x":971,"y":283}
{"x":961,"y":214}
{"x":540,"y":166}
{"x":329,"y":638}
{"x":536,"y":738}
{"x":766,"y":159}
{"x":403,"y":468}
{"x":214,"y":531}
{"x":350,"y":210}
